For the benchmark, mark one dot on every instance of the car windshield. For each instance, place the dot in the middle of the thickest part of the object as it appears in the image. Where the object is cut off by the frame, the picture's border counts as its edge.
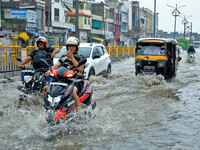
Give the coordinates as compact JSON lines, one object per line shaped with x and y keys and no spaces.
{"x":151,"y":50}
{"x":85,"y":51}
{"x":63,"y":51}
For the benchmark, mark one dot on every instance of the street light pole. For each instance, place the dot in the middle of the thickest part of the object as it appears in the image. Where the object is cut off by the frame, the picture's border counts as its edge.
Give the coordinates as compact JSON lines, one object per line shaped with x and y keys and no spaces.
{"x":49,"y":20}
{"x":76,"y":21}
{"x":154,"y":27}
{"x":175,"y":13}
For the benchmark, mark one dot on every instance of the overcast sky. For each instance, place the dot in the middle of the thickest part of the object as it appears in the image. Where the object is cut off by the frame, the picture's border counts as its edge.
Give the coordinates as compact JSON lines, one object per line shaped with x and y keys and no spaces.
{"x":166,"y":20}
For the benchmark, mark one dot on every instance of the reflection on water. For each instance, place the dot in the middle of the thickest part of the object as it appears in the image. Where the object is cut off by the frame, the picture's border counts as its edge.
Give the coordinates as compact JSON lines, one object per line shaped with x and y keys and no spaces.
{"x":141,"y":112}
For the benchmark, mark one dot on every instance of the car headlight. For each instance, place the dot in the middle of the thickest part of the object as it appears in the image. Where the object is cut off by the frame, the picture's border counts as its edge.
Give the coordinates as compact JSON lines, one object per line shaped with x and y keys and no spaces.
{"x":161,"y":64}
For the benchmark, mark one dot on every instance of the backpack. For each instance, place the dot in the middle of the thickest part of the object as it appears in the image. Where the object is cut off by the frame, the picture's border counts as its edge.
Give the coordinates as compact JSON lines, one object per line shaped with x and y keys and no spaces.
{"x":41,"y":54}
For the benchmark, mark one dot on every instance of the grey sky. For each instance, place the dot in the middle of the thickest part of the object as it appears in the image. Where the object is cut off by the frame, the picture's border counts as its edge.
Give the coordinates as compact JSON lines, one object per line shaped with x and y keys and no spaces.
{"x":166,"y":20}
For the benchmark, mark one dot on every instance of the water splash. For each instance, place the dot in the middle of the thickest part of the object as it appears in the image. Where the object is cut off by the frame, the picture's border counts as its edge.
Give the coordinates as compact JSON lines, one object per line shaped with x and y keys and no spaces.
{"x":150,"y":80}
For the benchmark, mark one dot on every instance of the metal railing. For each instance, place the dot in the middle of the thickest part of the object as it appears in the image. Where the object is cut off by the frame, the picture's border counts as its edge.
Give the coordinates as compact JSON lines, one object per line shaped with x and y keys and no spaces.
{"x":8,"y":55}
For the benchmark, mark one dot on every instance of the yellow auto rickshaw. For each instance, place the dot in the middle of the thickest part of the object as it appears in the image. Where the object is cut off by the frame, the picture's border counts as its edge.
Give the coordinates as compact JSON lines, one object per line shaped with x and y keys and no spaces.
{"x":157,"y":55}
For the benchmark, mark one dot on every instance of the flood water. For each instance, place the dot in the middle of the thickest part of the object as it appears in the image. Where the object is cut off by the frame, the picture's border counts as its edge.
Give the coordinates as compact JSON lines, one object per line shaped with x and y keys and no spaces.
{"x":132,"y":113}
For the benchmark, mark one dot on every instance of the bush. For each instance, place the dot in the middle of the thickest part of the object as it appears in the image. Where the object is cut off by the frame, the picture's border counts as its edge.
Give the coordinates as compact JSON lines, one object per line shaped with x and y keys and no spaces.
{"x":184,"y":43}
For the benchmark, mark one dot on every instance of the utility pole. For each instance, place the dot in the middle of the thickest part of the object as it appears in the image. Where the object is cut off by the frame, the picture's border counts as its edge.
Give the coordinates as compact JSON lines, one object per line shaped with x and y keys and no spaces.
{"x":154,"y":26}
{"x":49,"y":13}
{"x":184,"y":22}
{"x":175,"y":13}
{"x":77,"y":18}
{"x":191,"y":32}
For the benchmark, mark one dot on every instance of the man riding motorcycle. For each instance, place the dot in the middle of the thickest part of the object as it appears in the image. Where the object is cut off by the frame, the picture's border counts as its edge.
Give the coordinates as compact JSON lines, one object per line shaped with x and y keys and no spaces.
{"x":70,"y":60}
{"x":42,"y":53}
{"x":191,"y":49}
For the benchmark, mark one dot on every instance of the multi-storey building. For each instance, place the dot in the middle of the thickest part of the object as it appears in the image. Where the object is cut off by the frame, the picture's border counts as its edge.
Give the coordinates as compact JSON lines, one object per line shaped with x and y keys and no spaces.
{"x":59,"y":25}
{"x":134,"y":21}
{"x":22,"y":17}
{"x":124,"y":26}
{"x":84,"y":20}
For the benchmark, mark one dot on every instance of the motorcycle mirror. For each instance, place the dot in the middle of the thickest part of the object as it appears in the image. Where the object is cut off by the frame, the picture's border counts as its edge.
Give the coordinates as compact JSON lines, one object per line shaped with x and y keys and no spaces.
{"x":81,"y":62}
{"x":18,"y":59}
{"x":86,"y":65}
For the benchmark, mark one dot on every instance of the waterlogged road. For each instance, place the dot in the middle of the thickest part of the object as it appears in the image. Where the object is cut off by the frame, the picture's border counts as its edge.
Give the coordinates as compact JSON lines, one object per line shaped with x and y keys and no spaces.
{"x":132,"y":113}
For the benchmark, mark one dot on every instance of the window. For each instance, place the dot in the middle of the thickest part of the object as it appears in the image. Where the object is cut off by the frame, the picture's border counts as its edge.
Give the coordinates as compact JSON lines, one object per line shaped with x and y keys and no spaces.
{"x":104,"y":50}
{"x":85,"y":51}
{"x":85,"y":20}
{"x":89,"y":21}
{"x":56,"y":14}
{"x":96,"y":25}
{"x":151,"y":50}
{"x":98,"y":51}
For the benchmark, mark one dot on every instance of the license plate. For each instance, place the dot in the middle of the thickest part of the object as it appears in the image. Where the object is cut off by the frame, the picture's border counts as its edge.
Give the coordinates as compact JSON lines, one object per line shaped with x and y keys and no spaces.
{"x":149,"y":67}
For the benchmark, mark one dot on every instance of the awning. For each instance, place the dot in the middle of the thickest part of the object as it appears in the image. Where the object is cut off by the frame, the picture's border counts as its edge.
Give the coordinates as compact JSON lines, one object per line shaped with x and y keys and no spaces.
{"x":22,"y":35}
{"x":98,"y":39}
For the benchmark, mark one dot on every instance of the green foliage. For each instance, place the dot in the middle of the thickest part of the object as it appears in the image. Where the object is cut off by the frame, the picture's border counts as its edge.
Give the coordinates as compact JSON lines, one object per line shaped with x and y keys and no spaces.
{"x":184,"y":43}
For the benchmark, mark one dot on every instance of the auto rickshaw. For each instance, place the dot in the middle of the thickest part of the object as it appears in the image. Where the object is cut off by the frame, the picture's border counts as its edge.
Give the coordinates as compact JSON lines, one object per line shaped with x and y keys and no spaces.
{"x":157,"y":55}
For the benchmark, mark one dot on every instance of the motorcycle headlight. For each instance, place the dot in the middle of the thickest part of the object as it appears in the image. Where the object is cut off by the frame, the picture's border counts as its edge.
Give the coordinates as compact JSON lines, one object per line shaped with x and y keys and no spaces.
{"x":50,"y":99}
{"x":161,"y":64}
{"x":57,"y":99}
{"x":27,"y":78}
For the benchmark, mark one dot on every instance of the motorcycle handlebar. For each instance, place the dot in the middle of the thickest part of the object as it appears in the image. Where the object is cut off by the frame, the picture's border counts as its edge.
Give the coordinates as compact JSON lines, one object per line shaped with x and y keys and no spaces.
{"x":80,"y":77}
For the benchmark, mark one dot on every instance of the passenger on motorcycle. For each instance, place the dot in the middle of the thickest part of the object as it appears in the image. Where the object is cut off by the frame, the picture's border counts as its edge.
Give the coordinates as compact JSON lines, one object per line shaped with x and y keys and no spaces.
{"x":70,"y":60}
{"x":191,"y":49}
{"x":42,"y":53}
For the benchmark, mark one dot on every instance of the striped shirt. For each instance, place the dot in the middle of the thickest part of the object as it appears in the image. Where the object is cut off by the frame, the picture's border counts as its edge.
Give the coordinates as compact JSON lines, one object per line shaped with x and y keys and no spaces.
{"x":66,"y":62}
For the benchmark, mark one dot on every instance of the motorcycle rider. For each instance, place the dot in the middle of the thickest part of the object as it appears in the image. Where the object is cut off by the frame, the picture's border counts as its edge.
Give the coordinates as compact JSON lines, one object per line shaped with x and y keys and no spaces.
{"x":43,"y":52}
{"x":70,"y":60}
{"x":191,"y":49}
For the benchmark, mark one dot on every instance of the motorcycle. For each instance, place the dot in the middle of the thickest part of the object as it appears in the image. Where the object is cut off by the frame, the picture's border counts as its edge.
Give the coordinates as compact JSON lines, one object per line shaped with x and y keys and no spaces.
{"x":190,"y":57}
{"x":58,"y":99}
{"x":33,"y":81}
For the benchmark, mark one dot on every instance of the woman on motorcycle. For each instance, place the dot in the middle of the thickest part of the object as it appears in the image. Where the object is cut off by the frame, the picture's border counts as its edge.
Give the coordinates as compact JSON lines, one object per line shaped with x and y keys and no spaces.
{"x":70,"y":60}
{"x":42,"y":52}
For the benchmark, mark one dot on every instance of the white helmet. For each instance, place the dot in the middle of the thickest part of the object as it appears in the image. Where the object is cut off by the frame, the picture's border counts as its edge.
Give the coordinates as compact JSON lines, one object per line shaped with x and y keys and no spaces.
{"x":73,"y":41}
{"x":42,"y":39}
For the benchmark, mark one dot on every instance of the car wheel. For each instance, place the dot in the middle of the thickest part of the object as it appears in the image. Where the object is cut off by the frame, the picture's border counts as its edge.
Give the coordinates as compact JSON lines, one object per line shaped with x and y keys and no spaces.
{"x":109,"y":69}
{"x":91,"y":73}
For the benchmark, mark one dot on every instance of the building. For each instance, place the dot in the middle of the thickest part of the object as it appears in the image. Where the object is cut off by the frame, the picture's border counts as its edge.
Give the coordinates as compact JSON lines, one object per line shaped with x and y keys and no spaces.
{"x":84,"y":21}
{"x":22,"y":22}
{"x":57,"y":30}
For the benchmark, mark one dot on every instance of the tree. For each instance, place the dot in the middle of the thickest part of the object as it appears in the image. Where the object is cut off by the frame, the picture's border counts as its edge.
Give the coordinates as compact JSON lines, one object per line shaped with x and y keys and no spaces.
{"x":184,"y":43}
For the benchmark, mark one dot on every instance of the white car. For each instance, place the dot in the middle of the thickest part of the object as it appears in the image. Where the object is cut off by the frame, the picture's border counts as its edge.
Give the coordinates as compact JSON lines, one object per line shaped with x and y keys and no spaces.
{"x":98,"y":59}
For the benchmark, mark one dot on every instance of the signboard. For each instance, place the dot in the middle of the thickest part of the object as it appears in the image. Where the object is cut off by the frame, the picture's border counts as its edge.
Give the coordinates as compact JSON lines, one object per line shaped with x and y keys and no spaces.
{"x":24,"y":5}
{"x":31,"y":19}
{"x":19,"y":13}
{"x":15,"y":13}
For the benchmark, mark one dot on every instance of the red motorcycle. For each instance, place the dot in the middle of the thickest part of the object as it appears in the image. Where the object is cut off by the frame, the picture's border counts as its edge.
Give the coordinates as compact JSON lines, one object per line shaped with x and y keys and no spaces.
{"x":58,"y":99}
